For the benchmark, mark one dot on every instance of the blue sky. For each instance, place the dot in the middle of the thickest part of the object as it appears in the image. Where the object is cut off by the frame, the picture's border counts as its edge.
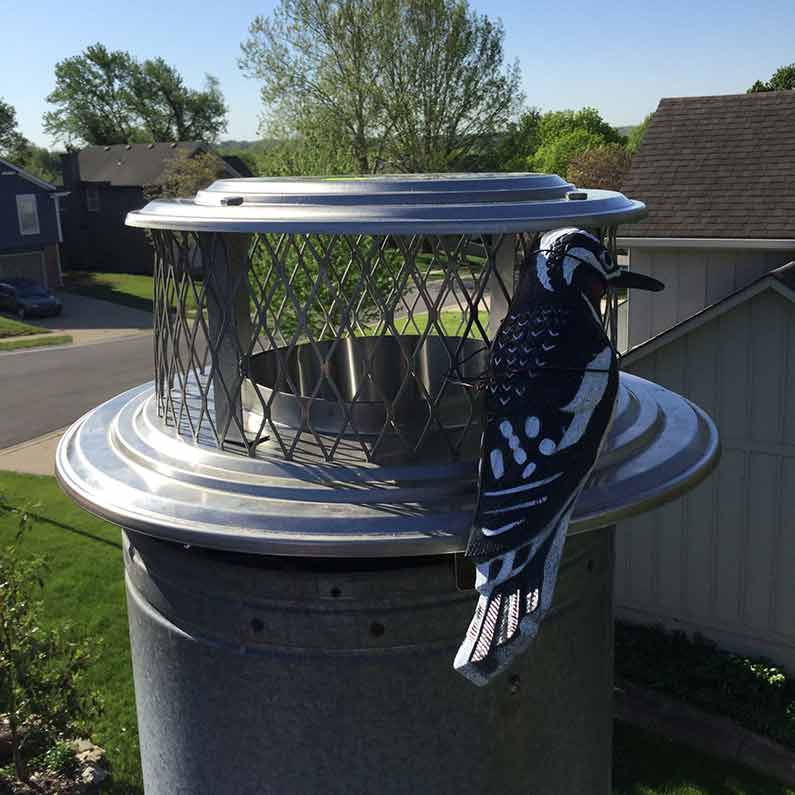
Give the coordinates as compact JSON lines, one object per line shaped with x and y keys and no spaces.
{"x":621,"y":57}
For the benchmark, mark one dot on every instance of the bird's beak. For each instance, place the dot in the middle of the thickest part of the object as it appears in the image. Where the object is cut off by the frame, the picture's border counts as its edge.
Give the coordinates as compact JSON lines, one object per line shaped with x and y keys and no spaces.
{"x":637,"y":281}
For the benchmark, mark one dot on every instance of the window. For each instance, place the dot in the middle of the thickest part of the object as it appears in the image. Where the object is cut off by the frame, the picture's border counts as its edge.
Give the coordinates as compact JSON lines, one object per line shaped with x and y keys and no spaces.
{"x":92,"y":198}
{"x":28,"y":214}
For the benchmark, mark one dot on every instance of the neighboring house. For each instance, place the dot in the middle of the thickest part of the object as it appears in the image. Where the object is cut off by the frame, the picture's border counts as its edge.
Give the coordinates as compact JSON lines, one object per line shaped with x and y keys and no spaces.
{"x":105,"y":183}
{"x":721,"y":560}
{"x":718,"y":177}
{"x":30,"y":228}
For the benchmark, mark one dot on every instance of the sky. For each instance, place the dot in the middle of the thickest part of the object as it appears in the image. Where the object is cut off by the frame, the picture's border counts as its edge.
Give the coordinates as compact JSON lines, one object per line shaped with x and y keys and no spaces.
{"x":620,"y":57}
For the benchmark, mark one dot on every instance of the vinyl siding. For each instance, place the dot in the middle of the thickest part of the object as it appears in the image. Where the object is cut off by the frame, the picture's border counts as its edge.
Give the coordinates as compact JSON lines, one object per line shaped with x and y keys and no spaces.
{"x":11,"y":186}
{"x":720,"y":560}
{"x":694,"y":279}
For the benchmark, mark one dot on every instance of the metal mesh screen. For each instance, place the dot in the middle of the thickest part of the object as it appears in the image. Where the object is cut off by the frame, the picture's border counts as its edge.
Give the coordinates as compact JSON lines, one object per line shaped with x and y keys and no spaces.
{"x":325,"y":347}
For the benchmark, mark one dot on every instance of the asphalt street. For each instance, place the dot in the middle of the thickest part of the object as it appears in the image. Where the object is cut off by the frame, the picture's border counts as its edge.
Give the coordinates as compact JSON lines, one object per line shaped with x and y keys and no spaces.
{"x":44,"y":390}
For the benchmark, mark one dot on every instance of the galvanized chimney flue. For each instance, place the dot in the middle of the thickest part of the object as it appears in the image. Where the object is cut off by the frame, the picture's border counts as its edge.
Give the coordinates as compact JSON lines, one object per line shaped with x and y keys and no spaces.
{"x":297,"y":483}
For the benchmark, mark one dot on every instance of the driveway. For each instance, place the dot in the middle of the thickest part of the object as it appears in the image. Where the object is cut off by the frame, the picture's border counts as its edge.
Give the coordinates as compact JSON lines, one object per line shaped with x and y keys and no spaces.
{"x":45,"y":390}
{"x":89,"y":320}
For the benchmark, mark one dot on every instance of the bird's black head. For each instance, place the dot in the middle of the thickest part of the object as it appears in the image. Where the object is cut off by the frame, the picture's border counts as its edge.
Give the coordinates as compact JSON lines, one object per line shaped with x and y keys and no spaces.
{"x":573,"y":261}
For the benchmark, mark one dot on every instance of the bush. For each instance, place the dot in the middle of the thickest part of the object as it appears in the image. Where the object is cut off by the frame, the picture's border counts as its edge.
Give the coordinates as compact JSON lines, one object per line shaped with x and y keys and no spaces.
{"x":753,"y":691}
{"x":40,"y":666}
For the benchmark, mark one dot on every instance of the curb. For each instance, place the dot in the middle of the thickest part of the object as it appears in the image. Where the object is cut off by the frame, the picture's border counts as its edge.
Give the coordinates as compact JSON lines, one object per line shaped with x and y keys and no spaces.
{"x":721,"y":737}
{"x":74,"y":345}
{"x":15,"y":448}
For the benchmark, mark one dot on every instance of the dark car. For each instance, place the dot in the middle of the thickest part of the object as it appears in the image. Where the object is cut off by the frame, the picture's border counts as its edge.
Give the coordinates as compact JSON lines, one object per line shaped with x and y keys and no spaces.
{"x":26,"y":298}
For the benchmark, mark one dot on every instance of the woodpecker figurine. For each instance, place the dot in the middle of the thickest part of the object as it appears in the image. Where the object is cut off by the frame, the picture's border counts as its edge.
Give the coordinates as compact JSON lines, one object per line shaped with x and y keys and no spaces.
{"x":550,"y":393}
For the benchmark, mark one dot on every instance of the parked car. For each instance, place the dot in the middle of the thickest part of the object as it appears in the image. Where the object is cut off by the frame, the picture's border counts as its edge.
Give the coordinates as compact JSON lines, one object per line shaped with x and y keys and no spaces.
{"x":26,"y":298}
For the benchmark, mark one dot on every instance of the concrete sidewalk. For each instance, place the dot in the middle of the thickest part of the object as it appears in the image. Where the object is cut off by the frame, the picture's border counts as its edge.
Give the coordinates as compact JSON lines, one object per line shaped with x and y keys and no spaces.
{"x":34,"y":457}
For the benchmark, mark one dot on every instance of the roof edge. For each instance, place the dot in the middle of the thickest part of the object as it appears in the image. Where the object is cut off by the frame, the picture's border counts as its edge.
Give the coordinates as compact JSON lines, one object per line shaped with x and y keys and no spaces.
{"x":29,"y":177}
{"x":766,"y":282}
{"x":767,"y":243}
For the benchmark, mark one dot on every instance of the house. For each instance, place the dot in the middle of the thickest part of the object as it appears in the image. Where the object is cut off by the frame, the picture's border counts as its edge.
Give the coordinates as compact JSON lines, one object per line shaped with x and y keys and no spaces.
{"x":718,"y":176}
{"x":30,"y":227}
{"x":720,"y":560}
{"x":105,"y":183}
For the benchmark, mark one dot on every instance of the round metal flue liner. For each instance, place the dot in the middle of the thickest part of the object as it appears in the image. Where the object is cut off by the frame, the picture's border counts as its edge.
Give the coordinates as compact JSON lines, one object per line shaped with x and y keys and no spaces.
{"x":343,"y":314}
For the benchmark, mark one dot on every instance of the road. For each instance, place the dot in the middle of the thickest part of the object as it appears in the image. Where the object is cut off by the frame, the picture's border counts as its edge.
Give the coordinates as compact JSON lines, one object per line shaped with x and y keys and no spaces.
{"x":43,"y":390}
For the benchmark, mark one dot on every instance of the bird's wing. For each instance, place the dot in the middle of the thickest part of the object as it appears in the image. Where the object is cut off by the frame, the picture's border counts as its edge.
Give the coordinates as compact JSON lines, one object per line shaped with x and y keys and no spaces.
{"x":536,"y":457}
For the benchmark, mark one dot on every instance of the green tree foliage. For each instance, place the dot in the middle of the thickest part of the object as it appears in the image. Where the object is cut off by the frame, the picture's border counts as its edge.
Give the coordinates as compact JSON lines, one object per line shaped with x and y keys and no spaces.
{"x":18,"y":150}
{"x":635,"y":137}
{"x":602,"y":167}
{"x":565,"y":133}
{"x":40,"y":666}
{"x":36,"y":160}
{"x":406,"y":85}
{"x":783,"y":79}
{"x":510,"y":149}
{"x":183,"y":176}
{"x":108,"y":97}
{"x":9,"y":135}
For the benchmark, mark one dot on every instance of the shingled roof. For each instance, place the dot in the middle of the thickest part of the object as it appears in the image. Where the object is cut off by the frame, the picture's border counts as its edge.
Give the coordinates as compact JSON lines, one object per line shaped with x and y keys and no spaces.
{"x":717,"y":167}
{"x":134,"y":164}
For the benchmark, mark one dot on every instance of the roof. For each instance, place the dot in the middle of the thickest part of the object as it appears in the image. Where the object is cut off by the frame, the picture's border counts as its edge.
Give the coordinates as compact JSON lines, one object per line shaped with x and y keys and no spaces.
{"x":717,"y":167}
{"x":6,"y":166}
{"x":781,"y":279}
{"x":238,"y":164}
{"x":132,"y":164}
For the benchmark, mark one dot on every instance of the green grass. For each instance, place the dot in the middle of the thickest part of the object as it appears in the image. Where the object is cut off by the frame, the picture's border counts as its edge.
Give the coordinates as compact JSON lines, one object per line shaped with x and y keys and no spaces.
{"x":13,"y":328}
{"x":647,"y":764}
{"x":35,"y":342}
{"x":85,"y":586}
{"x":121,"y":288}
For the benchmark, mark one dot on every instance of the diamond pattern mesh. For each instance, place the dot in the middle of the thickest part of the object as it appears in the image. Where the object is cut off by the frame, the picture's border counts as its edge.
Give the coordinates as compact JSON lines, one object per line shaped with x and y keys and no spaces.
{"x":352,"y":347}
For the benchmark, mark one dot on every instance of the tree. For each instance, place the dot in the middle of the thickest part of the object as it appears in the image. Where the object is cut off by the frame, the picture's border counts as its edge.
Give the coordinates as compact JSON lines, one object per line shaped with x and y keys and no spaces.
{"x":602,"y":167}
{"x":172,"y":112}
{"x":108,"y":97}
{"x":17,"y":149}
{"x":183,"y":176}
{"x":635,"y":137}
{"x":783,"y":79}
{"x":565,"y":133}
{"x":407,"y":85}
{"x":9,"y":135}
{"x":36,"y":160}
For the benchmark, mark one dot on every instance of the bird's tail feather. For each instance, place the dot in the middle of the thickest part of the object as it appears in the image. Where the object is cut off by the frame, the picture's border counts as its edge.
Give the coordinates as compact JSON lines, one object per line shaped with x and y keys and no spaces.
{"x":507,"y":615}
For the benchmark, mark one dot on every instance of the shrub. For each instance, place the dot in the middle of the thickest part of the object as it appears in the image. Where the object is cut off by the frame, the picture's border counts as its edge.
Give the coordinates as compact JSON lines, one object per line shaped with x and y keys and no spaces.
{"x":40,"y":666}
{"x":753,"y":691}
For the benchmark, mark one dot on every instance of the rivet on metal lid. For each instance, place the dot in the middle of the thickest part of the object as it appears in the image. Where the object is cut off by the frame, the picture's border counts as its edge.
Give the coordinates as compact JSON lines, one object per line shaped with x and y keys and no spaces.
{"x":576,"y":195}
{"x":232,"y":201}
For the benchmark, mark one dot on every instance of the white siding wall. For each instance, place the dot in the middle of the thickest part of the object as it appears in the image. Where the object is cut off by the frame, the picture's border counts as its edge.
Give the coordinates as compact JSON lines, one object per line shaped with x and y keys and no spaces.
{"x":721,"y":561}
{"x":694,"y":279}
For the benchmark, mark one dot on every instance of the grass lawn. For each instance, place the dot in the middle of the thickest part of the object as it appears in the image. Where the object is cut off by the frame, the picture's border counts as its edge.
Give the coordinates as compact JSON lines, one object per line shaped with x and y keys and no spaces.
{"x":13,"y":328}
{"x":647,"y":764}
{"x":85,"y":586}
{"x":120,"y":288}
{"x":35,"y":342}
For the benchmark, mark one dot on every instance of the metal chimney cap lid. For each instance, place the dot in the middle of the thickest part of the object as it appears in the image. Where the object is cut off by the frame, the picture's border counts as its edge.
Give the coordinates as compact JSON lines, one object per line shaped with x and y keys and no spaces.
{"x":389,"y":204}
{"x":120,"y":463}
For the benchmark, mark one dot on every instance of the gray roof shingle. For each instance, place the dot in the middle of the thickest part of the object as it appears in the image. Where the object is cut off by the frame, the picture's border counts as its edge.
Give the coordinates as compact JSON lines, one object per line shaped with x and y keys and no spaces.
{"x":132,"y":164}
{"x":721,"y":167}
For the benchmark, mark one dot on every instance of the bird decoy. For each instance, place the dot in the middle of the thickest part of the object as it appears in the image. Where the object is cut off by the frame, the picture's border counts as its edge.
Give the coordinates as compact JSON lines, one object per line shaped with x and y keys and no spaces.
{"x":551,"y":387}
